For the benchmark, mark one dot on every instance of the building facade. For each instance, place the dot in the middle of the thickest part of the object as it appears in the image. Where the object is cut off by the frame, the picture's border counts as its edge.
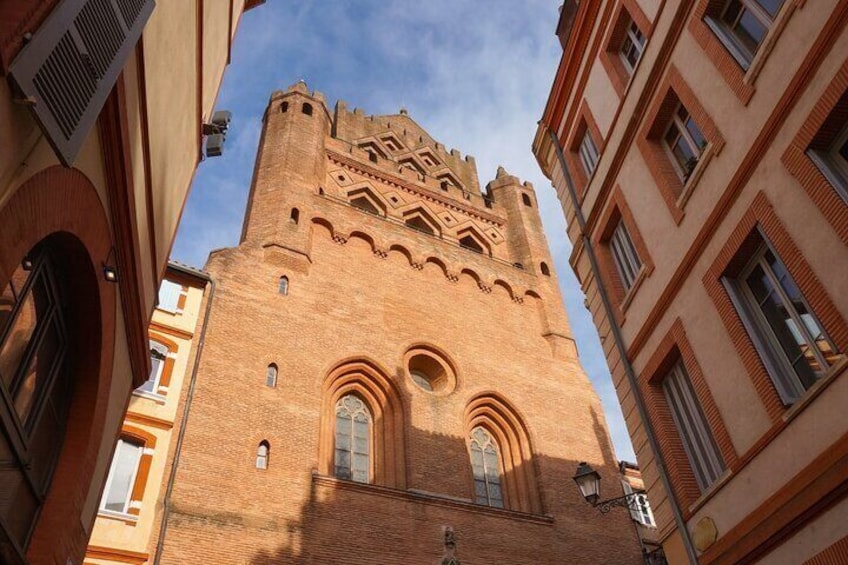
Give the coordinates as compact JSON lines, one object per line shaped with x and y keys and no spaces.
{"x":388,"y":374}
{"x":129,"y":513}
{"x":699,"y":152}
{"x":102,"y":113}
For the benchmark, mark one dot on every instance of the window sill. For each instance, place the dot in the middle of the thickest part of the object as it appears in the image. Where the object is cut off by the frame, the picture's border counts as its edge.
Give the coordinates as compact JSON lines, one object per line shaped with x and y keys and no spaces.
{"x":791,"y":413}
{"x":175,"y":312}
{"x":129,"y":519}
{"x":693,"y":180}
{"x":631,"y":292}
{"x":814,"y":391}
{"x":429,"y":498}
{"x":157,"y":398}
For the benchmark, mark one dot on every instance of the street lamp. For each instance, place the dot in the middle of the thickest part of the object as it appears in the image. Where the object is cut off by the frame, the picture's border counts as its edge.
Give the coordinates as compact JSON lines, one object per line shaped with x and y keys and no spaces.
{"x":589,"y":482}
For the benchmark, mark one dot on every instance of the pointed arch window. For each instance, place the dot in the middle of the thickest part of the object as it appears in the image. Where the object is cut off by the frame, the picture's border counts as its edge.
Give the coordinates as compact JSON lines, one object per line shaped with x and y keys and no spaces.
{"x":485,"y":463}
{"x":353,"y":440}
{"x":262,"y":453}
{"x":271,"y":376}
{"x":283,"y":287}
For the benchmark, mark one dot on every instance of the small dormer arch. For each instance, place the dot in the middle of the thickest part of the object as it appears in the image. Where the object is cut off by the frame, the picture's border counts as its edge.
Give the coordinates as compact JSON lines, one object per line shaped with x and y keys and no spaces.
{"x":499,"y":283}
{"x":419,"y":217}
{"x":470,"y":238}
{"x":366,"y":198}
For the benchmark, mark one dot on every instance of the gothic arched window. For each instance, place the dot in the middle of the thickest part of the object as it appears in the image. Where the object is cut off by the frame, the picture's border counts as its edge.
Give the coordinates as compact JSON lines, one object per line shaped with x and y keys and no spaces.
{"x":262,"y":453}
{"x":487,"y":470}
{"x":353,"y":440}
{"x":271,"y":376}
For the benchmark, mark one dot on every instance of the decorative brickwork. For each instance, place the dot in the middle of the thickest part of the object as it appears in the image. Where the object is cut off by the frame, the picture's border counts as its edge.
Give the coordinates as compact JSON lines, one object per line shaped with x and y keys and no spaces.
{"x":673,"y":347}
{"x":610,"y":55}
{"x":829,"y":115}
{"x":733,"y":257}
{"x":432,"y":336}
{"x":585,"y":122}
{"x":618,"y":211}
{"x":672,"y":92}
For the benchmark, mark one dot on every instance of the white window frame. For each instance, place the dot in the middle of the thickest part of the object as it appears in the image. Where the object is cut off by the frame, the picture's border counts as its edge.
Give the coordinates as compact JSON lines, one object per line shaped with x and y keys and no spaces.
{"x":128,"y":498}
{"x":728,"y":37}
{"x":640,"y":509}
{"x":685,"y":136}
{"x":634,"y":39}
{"x":692,"y":427}
{"x":588,"y":151}
{"x":154,"y":392}
{"x":832,"y":165}
{"x":789,"y":386}
{"x":269,"y":382}
{"x":624,"y":255}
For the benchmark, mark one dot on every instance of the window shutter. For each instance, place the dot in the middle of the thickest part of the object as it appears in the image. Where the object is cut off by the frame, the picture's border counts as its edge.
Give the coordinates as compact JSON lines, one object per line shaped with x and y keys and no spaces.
{"x":169,"y":296}
{"x":632,"y":503}
{"x":71,"y":64}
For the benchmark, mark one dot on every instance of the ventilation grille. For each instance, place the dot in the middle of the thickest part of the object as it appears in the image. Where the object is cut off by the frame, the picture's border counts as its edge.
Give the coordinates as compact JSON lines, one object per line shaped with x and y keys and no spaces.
{"x":72,"y":62}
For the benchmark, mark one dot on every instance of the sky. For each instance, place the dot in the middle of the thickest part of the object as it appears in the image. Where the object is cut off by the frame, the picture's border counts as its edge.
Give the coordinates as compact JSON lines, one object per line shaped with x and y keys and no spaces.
{"x":476,"y":75}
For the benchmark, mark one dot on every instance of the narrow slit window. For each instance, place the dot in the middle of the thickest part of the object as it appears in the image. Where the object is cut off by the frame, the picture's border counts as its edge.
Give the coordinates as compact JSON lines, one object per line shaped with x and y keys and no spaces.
{"x":262,"y":454}
{"x":271,"y":376}
{"x":307,"y":108}
{"x":294,"y":217}
{"x":283,"y":287}
{"x":526,"y":199}
{"x":284,"y":107}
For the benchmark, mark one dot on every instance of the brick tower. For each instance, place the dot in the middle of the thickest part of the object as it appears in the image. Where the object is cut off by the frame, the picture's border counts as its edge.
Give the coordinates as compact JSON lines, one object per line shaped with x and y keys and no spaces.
{"x":388,"y":374}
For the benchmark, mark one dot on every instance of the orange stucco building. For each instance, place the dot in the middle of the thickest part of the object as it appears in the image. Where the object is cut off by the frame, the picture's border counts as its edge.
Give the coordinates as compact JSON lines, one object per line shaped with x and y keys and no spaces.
{"x":388,"y":374}
{"x":699,"y":151}
{"x":130,"y":509}
{"x":102,"y":113}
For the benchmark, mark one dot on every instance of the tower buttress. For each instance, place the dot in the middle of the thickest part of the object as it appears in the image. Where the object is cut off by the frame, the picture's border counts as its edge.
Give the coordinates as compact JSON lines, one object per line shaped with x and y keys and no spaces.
{"x":529,"y":247}
{"x":290,"y":165}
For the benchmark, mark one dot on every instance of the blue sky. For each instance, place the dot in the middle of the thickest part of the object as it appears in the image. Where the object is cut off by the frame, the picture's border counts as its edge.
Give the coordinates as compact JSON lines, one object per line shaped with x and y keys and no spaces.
{"x":476,"y":75}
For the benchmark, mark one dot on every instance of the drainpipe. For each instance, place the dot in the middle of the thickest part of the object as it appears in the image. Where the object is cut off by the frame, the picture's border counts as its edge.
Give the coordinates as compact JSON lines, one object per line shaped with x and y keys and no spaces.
{"x":166,"y":507}
{"x":622,"y":351}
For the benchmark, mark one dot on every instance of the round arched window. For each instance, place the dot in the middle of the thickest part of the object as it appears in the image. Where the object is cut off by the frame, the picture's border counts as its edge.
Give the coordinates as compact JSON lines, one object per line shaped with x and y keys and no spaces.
{"x":36,"y":386}
{"x":430,"y":371}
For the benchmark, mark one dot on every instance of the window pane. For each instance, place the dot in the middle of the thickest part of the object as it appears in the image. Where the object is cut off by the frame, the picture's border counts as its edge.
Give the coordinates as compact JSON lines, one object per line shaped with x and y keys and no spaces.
{"x":695,"y":434}
{"x":20,"y":334}
{"x":750,"y":31}
{"x":36,"y":378}
{"x":353,"y":436}
{"x":782,"y":326}
{"x":158,"y":354}
{"x":772,"y":7}
{"x":696,"y":134}
{"x":122,"y":476}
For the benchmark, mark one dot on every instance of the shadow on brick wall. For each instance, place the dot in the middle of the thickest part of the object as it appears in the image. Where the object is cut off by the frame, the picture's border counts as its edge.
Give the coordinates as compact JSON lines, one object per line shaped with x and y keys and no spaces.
{"x":343,"y":522}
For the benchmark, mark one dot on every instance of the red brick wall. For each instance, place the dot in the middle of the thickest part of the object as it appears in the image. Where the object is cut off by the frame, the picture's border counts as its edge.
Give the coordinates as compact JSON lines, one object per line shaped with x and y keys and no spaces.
{"x":359,"y":298}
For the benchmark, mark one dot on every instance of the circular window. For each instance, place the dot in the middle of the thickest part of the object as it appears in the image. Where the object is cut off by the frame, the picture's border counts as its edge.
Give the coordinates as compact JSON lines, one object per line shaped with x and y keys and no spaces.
{"x":430,"y":371}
